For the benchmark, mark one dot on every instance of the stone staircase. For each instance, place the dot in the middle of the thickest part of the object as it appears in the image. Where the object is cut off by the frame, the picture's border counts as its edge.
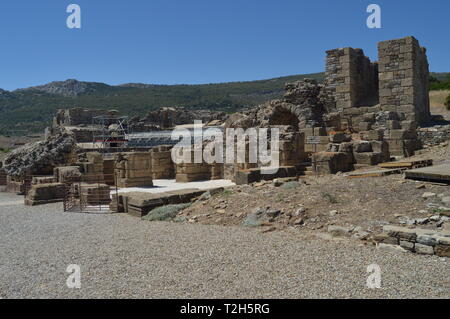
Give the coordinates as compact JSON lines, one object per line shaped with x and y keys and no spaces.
{"x":305,"y":169}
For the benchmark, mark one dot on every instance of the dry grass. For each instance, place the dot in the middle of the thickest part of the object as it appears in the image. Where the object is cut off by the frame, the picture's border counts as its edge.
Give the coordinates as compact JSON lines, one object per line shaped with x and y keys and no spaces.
{"x":437,"y":103}
{"x":437,"y":98}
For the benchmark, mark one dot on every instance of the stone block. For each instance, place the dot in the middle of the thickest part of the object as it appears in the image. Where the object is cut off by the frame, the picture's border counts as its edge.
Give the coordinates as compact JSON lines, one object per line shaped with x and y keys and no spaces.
{"x":148,"y":200}
{"x":428,"y":240}
{"x":364,"y":126}
{"x":362,"y":147}
{"x":407,"y":245}
{"x":401,"y":134}
{"x":67,"y":174}
{"x":339,"y":231}
{"x":41,"y":194}
{"x":95,"y":194}
{"x":346,"y":147}
{"x":381,"y":147}
{"x":338,"y":137}
{"x":442,"y":250}
{"x":3,"y":179}
{"x":423,"y":249}
{"x":248,"y":176}
{"x":408,"y":125}
{"x":393,"y":125}
{"x":331,"y":162}
{"x":368,"y":158}
{"x":267,"y":173}
{"x":391,"y":248}
{"x":43,"y":180}
{"x":320,"y":131}
{"x":191,"y":177}
{"x":373,"y":135}
{"x":134,"y":169}
{"x":386,"y":239}
{"x":94,"y":157}
{"x":402,"y":233}
{"x":183,"y":195}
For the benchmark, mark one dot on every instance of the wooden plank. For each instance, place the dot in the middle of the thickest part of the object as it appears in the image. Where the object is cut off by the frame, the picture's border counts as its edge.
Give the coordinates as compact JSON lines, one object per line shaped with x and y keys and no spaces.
{"x":377,"y":173}
{"x":407,"y":164}
{"x":396,"y":165}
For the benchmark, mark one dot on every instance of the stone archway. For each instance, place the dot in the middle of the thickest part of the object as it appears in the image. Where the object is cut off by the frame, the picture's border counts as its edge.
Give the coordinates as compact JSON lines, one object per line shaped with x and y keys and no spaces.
{"x":284,"y":116}
{"x":297,"y":116}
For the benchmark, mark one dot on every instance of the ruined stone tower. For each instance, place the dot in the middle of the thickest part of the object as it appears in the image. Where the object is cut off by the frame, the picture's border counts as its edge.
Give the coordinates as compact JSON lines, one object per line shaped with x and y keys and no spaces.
{"x":403,"y":72}
{"x":398,"y":82}
{"x":352,"y":77}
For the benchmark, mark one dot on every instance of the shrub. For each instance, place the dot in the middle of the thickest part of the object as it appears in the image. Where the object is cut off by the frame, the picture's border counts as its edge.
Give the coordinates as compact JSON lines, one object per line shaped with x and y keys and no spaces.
{"x":447,"y":102}
{"x":330,"y":198}
{"x":252,"y":220}
{"x":290,"y":185}
{"x":436,"y":84}
{"x":165,"y":212}
{"x":227,"y":192}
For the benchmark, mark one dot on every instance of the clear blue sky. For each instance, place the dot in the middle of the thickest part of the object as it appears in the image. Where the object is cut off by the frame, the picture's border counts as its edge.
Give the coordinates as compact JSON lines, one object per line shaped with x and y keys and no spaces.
{"x":201,"y":41}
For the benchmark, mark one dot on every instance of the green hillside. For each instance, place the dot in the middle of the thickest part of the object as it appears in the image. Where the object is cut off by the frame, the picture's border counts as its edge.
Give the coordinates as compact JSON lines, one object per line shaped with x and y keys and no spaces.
{"x":31,"y":109}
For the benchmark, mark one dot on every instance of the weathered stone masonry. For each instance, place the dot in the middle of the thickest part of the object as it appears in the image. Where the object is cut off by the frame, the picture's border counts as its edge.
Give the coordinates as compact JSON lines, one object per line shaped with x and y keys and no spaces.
{"x":398,"y":82}
{"x":352,"y":78}
{"x":404,"y":74}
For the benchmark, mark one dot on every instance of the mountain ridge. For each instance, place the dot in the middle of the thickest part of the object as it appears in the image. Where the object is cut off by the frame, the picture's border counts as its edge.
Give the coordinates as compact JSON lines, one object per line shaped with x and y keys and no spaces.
{"x":76,"y":87}
{"x":31,"y":109}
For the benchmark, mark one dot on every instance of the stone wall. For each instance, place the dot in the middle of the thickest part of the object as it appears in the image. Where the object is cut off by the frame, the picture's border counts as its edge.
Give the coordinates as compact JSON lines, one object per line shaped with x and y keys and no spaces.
{"x":15,"y":184}
{"x":435,"y":135}
{"x":162,"y":164}
{"x":292,"y":149}
{"x":134,"y":169}
{"x":67,"y":174}
{"x":41,"y":194}
{"x":403,"y":69}
{"x":108,"y":171}
{"x":2,"y":175}
{"x":188,"y":170}
{"x":352,"y":78}
{"x":302,"y":106}
{"x":331,"y":162}
{"x":169,"y":117}
{"x":85,"y":134}
{"x":94,"y":194}
{"x":79,"y":116}
{"x":91,"y":167}
{"x":421,"y":241}
{"x":41,"y":158}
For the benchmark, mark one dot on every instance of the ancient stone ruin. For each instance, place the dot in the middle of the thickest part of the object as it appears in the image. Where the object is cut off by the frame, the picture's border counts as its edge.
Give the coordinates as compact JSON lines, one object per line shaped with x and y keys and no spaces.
{"x":40,"y":158}
{"x":365,"y":113}
{"x":169,"y":117}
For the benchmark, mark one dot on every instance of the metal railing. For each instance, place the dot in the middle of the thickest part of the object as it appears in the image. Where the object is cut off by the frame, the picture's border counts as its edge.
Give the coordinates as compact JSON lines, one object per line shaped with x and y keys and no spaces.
{"x":90,"y":197}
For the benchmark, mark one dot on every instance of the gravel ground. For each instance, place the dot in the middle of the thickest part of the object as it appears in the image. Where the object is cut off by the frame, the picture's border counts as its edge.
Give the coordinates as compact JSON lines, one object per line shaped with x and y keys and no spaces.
{"x":123,"y":257}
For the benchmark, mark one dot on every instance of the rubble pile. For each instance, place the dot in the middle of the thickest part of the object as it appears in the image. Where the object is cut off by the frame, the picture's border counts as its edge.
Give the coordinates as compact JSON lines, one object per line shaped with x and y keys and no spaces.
{"x":169,"y":117}
{"x":434,"y":135}
{"x":42,"y":157}
{"x":300,"y":107}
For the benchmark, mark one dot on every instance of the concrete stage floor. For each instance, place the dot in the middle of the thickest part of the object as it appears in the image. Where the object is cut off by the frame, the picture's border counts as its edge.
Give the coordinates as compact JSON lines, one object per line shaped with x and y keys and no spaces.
{"x":438,"y":173}
{"x":166,"y":185}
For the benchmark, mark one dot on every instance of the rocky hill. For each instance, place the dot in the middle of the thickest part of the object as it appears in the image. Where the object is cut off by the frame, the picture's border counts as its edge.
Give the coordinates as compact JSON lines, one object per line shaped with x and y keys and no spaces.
{"x":31,"y":109}
{"x":66,"y":88}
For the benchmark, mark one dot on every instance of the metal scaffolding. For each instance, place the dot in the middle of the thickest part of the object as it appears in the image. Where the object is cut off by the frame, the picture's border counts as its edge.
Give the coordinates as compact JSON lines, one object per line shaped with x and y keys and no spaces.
{"x":112,"y":133}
